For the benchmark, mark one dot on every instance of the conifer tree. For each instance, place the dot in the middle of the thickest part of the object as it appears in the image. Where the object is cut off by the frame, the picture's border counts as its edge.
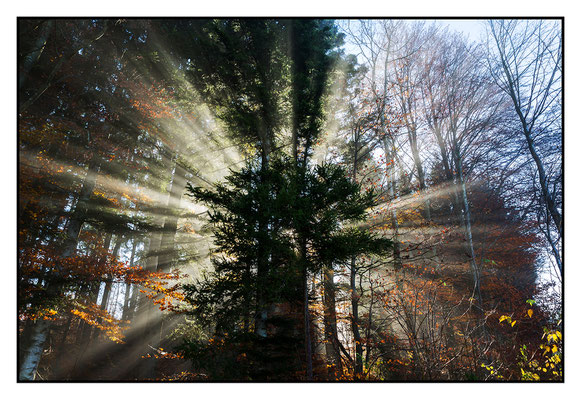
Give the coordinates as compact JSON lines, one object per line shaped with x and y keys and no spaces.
{"x":315,"y":208}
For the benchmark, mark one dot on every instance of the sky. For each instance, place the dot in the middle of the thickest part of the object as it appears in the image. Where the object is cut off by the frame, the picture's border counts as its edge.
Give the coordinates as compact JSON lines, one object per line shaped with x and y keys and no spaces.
{"x":473,"y":28}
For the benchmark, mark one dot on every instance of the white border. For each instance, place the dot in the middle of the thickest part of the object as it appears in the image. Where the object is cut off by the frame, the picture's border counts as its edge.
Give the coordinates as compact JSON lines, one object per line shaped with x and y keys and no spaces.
{"x":382,"y":8}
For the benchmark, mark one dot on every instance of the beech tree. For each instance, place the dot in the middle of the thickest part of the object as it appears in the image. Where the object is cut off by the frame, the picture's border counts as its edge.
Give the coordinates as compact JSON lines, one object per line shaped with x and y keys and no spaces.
{"x":525,"y":61}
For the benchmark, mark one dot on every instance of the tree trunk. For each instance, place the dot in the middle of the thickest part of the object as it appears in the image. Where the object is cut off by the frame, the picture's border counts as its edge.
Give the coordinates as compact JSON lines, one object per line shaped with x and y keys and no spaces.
{"x":262,"y":264}
{"x":355,"y":321}
{"x":468,"y":225}
{"x":390,"y":153}
{"x":330,"y":321}
{"x":167,"y":252}
{"x":127,"y":296}
{"x":307,"y":322}
{"x":166,"y":255}
{"x":109,"y":283}
{"x":94,"y":288}
{"x":34,"y":351}
{"x":413,"y":139}
{"x":547,"y":197}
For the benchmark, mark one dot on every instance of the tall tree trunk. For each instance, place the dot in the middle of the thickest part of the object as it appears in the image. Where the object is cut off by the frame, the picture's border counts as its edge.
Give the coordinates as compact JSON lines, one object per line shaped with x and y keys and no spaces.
{"x":355,"y":321}
{"x":34,"y":351}
{"x":261,"y":313}
{"x":358,"y":359}
{"x":468,"y":225}
{"x":448,"y":173}
{"x":167,"y":252}
{"x":262,"y":258}
{"x":369,"y":322}
{"x":547,"y":197}
{"x":109,"y":282}
{"x":293,"y":35}
{"x":307,"y":322}
{"x":105,"y":301}
{"x":148,"y":314}
{"x":409,"y":109}
{"x":330,"y":321}
{"x":94,"y":289}
{"x":142,"y":305}
{"x":127,"y":296}
{"x":390,"y":153}
{"x":413,"y":139}
{"x":155,"y":331}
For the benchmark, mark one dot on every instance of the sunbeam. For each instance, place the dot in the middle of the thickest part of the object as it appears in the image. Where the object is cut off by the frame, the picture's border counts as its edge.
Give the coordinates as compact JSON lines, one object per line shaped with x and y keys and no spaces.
{"x":289,"y":199}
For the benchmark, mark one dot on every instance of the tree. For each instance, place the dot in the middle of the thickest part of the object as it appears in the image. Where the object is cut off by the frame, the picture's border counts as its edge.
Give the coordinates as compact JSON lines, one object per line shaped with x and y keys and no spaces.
{"x":525,"y":61}
{"x":309,"y":208}
{"x":238,"y":67}
{"x":460,"y":110}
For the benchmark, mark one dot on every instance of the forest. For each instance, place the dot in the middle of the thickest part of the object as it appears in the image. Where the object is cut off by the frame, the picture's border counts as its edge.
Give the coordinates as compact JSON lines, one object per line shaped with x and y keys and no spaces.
{"x":289,"y":200}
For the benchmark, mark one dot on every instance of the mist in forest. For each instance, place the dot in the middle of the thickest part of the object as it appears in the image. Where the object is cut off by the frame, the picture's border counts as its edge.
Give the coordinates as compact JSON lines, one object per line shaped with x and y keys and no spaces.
{"x":290,"y":200}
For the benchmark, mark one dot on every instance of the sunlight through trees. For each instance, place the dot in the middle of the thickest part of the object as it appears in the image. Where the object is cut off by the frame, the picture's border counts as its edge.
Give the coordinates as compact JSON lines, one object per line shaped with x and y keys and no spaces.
{"x":261,"y":199}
